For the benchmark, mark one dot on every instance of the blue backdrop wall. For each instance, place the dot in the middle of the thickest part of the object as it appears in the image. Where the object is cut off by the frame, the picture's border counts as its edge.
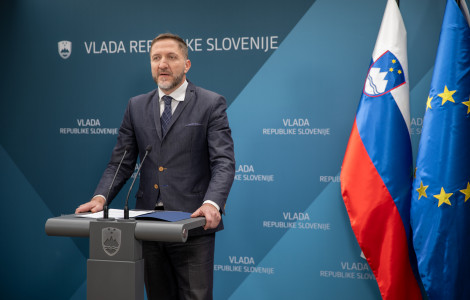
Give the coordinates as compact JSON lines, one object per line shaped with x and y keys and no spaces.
{"x":292,"y":73}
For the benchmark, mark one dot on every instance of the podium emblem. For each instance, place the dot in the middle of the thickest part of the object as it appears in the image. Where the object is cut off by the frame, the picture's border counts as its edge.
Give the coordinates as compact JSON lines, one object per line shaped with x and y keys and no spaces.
{"x":111,"y":240}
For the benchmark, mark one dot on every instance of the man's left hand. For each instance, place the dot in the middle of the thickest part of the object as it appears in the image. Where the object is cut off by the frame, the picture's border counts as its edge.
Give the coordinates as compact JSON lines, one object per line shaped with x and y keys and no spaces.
{"x":211,"y":214}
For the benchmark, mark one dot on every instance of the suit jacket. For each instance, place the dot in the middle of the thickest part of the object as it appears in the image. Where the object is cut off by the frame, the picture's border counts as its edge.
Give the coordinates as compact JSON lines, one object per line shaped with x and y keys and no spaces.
{"x":192,"y":163}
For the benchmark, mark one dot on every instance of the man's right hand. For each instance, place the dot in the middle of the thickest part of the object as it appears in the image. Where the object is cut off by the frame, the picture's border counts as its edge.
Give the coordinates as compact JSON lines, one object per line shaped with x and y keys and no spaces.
{"x":94,"y":205}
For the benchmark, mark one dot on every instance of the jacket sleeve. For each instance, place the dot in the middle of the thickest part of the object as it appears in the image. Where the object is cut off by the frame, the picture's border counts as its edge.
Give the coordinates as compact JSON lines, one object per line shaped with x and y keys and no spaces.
{"x":221,"y":154}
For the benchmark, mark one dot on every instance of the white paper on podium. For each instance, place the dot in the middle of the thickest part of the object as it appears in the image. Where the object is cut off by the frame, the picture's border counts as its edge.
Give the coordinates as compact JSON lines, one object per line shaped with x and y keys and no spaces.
{"x":114,"y":213}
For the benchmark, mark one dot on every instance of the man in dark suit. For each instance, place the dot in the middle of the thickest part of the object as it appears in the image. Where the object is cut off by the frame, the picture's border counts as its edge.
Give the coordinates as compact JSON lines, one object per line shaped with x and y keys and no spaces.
{"x":190,"y":168}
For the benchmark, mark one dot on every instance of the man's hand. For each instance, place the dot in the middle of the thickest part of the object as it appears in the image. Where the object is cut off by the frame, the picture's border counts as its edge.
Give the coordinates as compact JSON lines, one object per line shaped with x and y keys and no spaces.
{"x":94,"y":205}
{"x":211,"y":214}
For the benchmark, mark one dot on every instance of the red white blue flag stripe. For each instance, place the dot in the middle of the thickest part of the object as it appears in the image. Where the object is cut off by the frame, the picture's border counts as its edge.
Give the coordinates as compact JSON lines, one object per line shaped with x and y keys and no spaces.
{"x":376,"y":175}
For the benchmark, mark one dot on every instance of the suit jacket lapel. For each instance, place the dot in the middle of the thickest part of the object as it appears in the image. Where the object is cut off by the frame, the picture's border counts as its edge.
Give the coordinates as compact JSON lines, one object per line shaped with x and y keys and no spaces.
{"x":179,"y":109}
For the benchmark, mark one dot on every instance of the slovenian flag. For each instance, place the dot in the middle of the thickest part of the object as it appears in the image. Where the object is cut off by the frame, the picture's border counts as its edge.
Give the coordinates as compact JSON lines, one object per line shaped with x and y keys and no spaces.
{"x":376,"y":175}
{"x":440,"y":206}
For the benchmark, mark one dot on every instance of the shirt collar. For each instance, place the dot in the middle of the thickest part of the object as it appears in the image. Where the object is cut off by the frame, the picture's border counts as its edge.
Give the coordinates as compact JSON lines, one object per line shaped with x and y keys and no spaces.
{"x":177,"y":94}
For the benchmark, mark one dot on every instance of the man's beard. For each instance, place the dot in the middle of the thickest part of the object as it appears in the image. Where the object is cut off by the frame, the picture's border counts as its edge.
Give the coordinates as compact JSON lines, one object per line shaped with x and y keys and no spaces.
{"x":170,"y":84}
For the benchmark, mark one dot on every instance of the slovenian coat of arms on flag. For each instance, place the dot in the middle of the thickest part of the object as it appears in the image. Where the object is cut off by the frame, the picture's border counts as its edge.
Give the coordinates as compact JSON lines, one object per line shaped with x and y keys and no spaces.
{"x":385,"y":74}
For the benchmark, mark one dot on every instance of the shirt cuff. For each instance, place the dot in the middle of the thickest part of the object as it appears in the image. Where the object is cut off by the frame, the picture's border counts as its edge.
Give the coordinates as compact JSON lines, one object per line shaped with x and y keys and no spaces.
{"x":213,"y":203}
{"x":101,"y":197}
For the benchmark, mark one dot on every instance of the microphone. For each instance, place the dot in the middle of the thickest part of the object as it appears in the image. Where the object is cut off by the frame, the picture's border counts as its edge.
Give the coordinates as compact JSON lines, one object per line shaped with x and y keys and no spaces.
{"x":105,"y":207}
{"x":126,"y":207}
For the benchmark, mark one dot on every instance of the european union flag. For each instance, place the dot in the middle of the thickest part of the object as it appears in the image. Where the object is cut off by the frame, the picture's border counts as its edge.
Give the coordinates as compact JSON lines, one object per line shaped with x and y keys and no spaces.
{"x":440,"y":210}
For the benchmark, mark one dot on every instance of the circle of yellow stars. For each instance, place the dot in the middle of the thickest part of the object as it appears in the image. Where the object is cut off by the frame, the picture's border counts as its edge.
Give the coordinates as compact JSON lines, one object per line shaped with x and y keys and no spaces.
{"x":447,"y":95}
{"x":443,"y":197}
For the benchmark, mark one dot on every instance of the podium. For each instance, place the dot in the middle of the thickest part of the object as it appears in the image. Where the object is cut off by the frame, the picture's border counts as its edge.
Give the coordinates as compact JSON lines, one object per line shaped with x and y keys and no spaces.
{"x":115,"y":268}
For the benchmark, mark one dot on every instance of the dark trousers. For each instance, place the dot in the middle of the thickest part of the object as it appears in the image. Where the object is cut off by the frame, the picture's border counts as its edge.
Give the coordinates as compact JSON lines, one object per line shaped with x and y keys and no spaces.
{"x":180,"y":270}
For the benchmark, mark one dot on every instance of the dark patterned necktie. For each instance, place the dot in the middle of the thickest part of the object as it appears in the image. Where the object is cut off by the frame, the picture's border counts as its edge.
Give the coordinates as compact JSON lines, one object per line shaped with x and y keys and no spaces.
{"x":166,"y":115}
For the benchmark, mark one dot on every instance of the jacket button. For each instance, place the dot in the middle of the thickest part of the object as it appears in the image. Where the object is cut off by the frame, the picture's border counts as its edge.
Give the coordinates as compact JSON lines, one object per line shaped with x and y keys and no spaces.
{"x":156,"y":186}
{"x":161,"y":168}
